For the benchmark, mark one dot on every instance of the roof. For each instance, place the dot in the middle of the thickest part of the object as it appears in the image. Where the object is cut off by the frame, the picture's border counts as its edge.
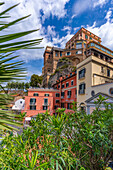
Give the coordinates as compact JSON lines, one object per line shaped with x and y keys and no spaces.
{"x":43,"y":89}
{"x":83,"y":29}
{"x":56,"y":48}
{"x":96,"y":95}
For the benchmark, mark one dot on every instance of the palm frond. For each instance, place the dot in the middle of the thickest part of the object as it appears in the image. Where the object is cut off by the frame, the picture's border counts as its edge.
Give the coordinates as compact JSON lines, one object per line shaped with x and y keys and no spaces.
{"x":10,"y":68}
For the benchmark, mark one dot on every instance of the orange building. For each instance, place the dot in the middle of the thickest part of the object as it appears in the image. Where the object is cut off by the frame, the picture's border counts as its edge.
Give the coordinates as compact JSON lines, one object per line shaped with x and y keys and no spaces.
{"x":61,"y":96}
{"x":39,"y":100}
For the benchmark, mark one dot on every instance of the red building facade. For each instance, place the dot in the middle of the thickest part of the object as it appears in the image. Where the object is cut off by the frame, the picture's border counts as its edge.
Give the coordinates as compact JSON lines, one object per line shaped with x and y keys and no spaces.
{"x":61,"y":96}
{"x":68,"y":90}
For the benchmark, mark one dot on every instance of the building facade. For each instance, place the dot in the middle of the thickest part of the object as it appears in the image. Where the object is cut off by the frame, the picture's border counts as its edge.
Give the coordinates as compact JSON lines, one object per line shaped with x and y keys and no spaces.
{"x":75,"y":50}
{"x":68,"y":90}
{"x":96,"y":69}
{"x":40,"y":100}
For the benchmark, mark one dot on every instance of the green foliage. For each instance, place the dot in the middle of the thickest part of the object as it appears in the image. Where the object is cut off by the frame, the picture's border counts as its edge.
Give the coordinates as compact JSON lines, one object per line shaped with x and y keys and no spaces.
{"x":63,"y":141}
{"x":36,"y":80}
{"x":63,"y":59}
{"x":74,"y":69}
{"x":17,"y":85}
{"x":64,"y":66}
{"x":10,"y":68}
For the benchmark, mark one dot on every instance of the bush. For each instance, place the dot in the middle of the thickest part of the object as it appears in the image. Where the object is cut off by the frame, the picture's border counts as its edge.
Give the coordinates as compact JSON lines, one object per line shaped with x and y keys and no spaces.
{"x":63,"y":141}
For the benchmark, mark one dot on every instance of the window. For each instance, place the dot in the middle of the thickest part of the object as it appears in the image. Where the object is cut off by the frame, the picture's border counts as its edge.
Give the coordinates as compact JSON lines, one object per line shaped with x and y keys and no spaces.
{"x":45,"y":107}
{"x":35,"y":94}
{"x":92,"y":93}
{"x":55,"y":107}
{"x":78,"y":45}
{"x":90,"y":38}
{"x":60,"y":54}
{"x":57,"y":95}
{"x":79,"y":52}
{"x":62,"y":86}
{"x":32,"y":107}
{"x":56,"y":54}
{"x":69,"y":106}
{"x":70,"y":74}
{"x":62,"y":94}
{"x":69,"y":94}
{"x":46,"y":95}
{"x":62,"y":105}
{"x":108,"y":72}
{"x":71,"y":82}
{"x":92,"y":44}
{"x":82,"y":73}
{"x":102,"y":69}
{"x":20,"y":102}
{"x":45,"y":101}
{"x":82,"y":88}
{"x":32,"y":101}
{"x":84,"y":45}
{"x":76,"y":91}
{"x":86,"y":37}
{"x":102,"y":57}
{"x":67,"y":84}
{"x":58,"y":86}
{"x":49,"y":57}
{"x":57,"y":101}
{"x":111,"y":91}
{"x":68,"y":53}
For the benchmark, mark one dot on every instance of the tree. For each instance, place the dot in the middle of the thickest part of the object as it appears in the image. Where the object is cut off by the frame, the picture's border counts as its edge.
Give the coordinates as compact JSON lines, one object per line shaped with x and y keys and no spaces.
{"x":27,"y":85}
{"x":36,"y":80}
{"x":9,"y":69}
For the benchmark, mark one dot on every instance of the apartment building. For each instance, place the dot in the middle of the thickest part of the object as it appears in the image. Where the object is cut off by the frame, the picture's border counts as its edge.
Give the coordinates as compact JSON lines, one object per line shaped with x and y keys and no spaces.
{"x":51,"y":57}
{"x":68,"y":90}
{"x":75,"y":50}
{"x":96,"y":69}
{"x":40,"y":100}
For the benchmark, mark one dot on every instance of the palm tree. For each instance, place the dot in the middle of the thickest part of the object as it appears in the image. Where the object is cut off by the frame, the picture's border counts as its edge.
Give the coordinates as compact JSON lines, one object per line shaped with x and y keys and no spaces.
{"x":9,"y":69}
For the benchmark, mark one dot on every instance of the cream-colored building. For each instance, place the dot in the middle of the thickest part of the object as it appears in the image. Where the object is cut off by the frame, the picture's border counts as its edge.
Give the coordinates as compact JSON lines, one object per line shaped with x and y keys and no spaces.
{"x":96,"y":69}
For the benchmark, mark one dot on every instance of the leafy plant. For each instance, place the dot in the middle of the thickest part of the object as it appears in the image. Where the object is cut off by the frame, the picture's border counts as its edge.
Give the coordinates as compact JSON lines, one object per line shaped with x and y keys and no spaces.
{"x":63,"y":141}
{"x":9,"y":68}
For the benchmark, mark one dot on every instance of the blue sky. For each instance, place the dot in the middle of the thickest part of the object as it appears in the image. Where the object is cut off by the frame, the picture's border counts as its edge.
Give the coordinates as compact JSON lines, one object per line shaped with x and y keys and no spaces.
{"x":58,"y":21}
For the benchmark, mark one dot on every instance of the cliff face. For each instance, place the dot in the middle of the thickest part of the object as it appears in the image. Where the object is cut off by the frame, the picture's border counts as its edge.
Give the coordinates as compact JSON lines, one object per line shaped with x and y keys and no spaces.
{"x":64,"y":67}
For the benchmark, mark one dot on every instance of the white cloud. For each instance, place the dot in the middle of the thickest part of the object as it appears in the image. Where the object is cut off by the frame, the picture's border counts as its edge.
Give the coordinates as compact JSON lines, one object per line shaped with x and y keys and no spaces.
{"x":105,"y":31}
{"x":82,"y":5}
{"x":76,"y":28}
{"x":100,"y":3}
{"x":62,"y":41}
{"x":66,"y":28}
{"x":34,"y":7}
{"x":108,"y":15}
